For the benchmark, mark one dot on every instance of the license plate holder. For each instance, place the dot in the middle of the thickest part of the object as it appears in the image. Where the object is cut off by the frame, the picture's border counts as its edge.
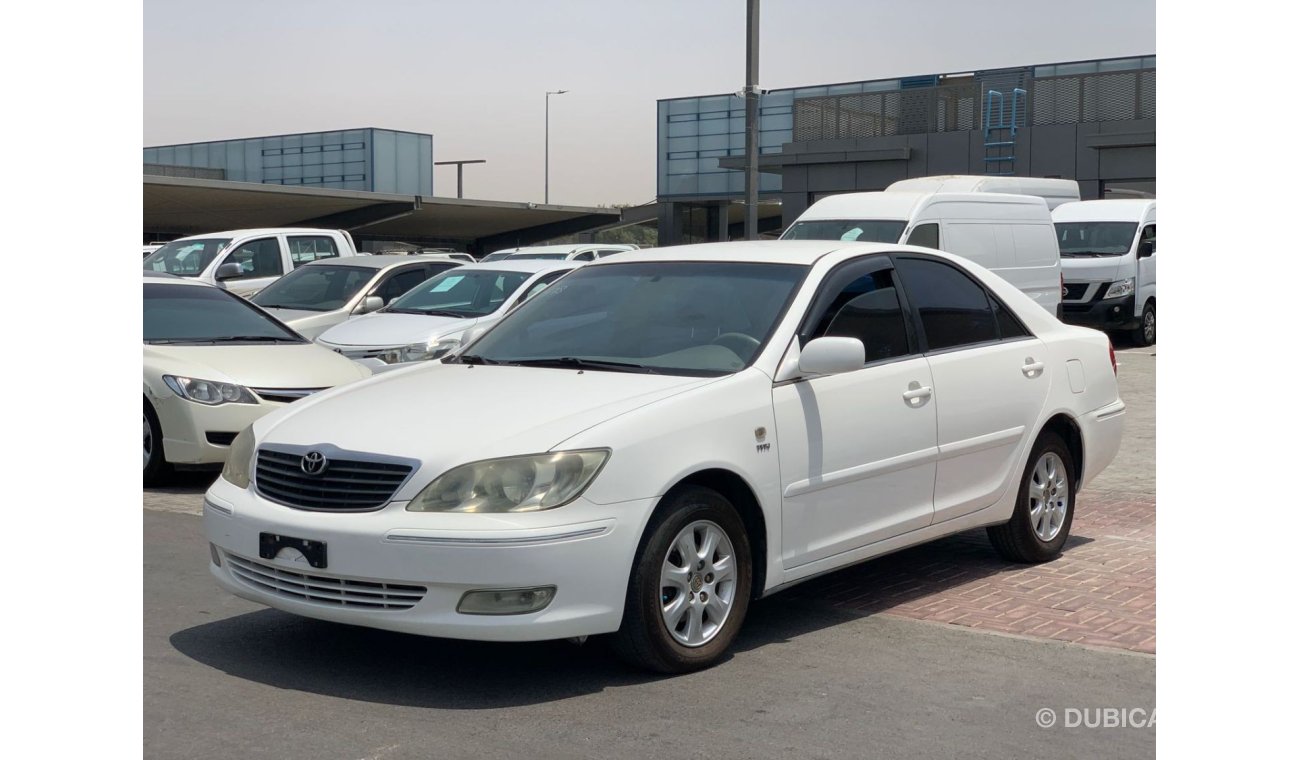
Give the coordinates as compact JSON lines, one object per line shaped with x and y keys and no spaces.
{"x":270,"y":544}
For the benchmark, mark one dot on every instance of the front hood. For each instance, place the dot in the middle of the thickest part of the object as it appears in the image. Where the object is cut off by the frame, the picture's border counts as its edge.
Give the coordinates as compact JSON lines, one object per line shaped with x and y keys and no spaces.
{"x":309,"y":324}
{"x":301,"y":365}
{"x":449,"y":414}
{"x":392,"y":329}
{"x":1091,"y":268}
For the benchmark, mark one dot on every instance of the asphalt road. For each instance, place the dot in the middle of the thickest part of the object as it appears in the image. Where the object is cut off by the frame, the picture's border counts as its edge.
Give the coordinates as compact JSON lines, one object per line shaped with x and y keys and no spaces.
{"x":227,"y":678}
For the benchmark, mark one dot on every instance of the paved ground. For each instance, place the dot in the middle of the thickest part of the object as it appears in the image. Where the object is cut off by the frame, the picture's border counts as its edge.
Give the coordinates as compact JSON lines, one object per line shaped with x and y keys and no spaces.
{"x":890,"y":657}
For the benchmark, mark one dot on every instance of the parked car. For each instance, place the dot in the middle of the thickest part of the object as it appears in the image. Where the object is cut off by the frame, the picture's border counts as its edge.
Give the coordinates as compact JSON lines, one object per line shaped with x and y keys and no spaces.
{"x":318,"y":295}
{"x":497,"y":255}
{"x":1011,"y":235}
{"x":150,"y":248}
{"x":213,"y":363}
{"x":1108,"y":258}
{"x":1053,"y":190}
{"x":659,"y":438}
{"x":431,"y":318}
{"x":245,"y":261}
{"x":569,"y":252}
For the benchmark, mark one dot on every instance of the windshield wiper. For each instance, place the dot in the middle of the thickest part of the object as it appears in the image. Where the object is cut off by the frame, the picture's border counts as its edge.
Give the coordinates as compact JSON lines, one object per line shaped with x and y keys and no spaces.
{"x":475,"y":359}
{"x":566,"y":362}
{"x":248,"y":339}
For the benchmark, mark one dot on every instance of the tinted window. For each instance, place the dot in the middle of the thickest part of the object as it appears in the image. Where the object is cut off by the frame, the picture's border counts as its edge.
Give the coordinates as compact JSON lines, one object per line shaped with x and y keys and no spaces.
{"x":307,"y":248}
{"x":861,"y":230}
{"x":189,"y":314}
{"x":1095,"y":238}
{"x":397,"y":284}
{"x":925,"y":235}
{"x":318,"y":288}
{"x":868,"y":309}
{"x":1009,"y":327}
{"x":257,"y":258}
{"x":954,"y":309}
{"x":585,"y":256}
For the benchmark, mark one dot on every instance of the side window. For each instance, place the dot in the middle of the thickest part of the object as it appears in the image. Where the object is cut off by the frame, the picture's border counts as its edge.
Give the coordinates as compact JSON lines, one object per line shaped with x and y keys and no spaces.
{"x":1009,"y":327}
{"x":925,"y":235}
{"x":257,"y":258}
{"x":306,"y":248}
{"x":585,"y":256}
{"x":954,"y":309}
{"x":397,"y":284}
{"x":868,"y":309}
{"x":541,"y":284}
{"x":1148,"y":238}
{"x":602,"y":253}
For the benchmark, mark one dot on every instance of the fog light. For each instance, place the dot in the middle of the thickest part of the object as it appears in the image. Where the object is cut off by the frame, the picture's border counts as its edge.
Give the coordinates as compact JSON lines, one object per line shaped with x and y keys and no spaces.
{"x":505,"y":601}
{"x":216,"y":556}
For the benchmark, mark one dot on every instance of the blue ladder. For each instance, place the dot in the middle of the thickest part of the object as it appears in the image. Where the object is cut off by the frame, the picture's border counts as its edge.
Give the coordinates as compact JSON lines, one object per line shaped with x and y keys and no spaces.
{"x":1000,"y":132}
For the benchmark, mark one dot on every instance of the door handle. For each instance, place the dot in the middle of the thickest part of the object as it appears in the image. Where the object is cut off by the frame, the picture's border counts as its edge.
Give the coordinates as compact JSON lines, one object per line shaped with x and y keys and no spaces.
{"x":1032,"y":368}
{"x":915,"y":396}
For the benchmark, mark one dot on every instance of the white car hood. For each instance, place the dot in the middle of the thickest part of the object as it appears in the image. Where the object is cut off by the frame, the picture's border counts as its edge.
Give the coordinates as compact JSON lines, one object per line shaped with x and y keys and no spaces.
{"x":450,"y":414}
{"x":298,"y":365}
{"x":392,"y":329}
{"x":1091,"y":268}
{"x":309,"y":324}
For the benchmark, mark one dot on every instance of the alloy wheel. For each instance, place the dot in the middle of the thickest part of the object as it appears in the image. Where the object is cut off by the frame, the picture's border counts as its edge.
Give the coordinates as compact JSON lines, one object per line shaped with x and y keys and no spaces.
{"x":148,"y":442}
{"x":697,"y":585}
{"x":1049,"y":496}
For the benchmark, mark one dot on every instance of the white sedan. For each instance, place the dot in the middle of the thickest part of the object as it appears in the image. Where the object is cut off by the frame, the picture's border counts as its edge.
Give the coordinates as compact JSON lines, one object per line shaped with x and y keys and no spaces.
{"x":661,"y":437}
{"x":212,"y":365}
{"x":431,"y":318}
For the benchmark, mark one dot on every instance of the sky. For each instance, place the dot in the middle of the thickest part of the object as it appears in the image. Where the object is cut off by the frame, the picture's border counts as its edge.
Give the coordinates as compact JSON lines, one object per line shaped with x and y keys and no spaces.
{"x":474,"y":73}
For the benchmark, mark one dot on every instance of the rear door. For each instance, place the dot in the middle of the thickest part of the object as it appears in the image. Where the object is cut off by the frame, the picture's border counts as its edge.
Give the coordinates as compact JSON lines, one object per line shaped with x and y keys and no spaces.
{"x":304,"y":249}
{"x":261,"y":262}
{"x":990,"y":382}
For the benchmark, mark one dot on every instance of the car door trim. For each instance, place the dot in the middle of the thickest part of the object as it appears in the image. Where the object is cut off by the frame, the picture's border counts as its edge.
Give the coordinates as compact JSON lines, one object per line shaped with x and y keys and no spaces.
{"x":980,"y":442}
{"x":861,"y":472}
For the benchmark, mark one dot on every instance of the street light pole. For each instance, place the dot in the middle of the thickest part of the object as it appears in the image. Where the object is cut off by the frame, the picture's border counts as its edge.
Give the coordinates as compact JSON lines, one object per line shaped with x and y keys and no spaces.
{"x":546,"y":180}
{"x":751,"y":122}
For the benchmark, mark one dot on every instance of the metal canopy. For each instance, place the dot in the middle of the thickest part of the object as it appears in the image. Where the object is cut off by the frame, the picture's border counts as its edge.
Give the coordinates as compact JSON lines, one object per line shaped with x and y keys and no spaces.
{"x":185,"y":206}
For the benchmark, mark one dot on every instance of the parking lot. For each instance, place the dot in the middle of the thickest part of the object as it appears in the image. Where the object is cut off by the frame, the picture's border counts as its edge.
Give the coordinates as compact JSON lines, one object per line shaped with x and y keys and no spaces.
{"x":942,"y":649}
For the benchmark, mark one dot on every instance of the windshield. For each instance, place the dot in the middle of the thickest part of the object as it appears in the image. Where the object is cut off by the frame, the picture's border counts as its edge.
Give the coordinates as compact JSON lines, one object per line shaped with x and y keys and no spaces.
{"x":187,"y":258}
{"x":685,"y":318}
{"x":189,"y":314}
{"x":1095,"y":238}
{"x":460,"y":293}
{"x":318,"y":287}
{"x":861,"y":230}
{"x":559,"y":256}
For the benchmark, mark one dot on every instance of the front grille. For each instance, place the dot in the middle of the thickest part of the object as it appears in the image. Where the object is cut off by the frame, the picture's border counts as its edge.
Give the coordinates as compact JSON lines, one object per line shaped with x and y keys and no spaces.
{"x":220,"y":439}
{"x":348,"y":484}
{"x":1074,"y":291}
{"x":284,"y":395}
{"x":321,"y":589}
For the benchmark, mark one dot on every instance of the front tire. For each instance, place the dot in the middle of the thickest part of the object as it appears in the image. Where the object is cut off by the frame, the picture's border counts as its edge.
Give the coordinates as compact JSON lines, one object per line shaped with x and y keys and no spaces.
{"x":155,"y":464}
{"x":1040,"y":524}
{"x":1145,"y":333}
{"x":690,"y":585}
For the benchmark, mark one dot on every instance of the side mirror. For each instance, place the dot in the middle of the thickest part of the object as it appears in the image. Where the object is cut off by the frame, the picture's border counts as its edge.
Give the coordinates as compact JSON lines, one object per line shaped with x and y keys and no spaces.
{"x":229,"y":271}
{"x":369,"y":304}
{"x":1146,"y":248}
{"x":831,"y":356}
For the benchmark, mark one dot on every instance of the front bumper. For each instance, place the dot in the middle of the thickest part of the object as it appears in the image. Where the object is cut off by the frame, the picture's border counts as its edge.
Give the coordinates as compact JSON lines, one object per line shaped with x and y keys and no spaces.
{"x":583,"y":549}
{"x":1102,"y":313}
{"x":186,"y":425}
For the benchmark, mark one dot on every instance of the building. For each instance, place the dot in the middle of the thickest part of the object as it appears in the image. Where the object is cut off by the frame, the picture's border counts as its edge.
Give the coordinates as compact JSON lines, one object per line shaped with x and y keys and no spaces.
{"x":1092,"y":121}
{"x":373,"y":160}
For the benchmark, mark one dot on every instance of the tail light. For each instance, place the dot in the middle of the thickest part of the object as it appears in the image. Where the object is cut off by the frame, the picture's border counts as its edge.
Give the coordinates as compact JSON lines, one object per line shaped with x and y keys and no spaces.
{"x":1114,"y":365}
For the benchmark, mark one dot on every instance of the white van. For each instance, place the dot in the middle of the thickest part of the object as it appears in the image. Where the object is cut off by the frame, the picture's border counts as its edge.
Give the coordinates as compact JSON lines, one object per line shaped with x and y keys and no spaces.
{"x":245,"y":261}
{"x":1054,"y":191}
{"x":1012,"y":235}
{"x":1108,"y":257}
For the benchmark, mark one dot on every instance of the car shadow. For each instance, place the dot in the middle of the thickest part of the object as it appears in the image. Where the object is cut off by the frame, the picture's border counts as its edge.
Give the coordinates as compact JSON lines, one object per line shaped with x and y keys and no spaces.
{"x":350,"y":662}
{"x":185,"y":482}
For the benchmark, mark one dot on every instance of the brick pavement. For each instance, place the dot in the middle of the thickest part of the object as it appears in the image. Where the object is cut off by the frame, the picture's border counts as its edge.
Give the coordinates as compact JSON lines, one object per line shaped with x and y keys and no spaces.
{"x":1100,"y":591}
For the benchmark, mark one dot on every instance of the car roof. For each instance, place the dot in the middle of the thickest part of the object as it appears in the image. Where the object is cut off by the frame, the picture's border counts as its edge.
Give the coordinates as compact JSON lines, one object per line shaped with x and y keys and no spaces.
{"x":378,"y":261}
{"x":258,"y":231}
{"x":900,"y":205}
{"x":1112,"y":210}
{"x":531,"y":266}
{"x":804,"y":252}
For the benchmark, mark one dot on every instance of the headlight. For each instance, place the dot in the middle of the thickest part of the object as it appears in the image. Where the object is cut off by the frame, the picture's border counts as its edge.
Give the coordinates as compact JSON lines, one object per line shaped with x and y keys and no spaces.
{"x":209,"y":392}
{"x":1118,"y":289}
{"x":239,"y":459}
{"x":514,"y":484}
{"x":418,"y":352}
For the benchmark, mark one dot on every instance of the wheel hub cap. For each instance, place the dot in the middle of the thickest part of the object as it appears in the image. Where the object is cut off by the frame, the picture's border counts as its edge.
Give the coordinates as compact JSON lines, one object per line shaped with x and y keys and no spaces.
{"x":697,"y":584}
{"x":1049,"y":497}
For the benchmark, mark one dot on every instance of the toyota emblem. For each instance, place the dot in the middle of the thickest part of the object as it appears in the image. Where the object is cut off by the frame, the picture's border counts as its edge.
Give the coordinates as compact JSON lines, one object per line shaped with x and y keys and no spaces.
{"x":314,"y":463}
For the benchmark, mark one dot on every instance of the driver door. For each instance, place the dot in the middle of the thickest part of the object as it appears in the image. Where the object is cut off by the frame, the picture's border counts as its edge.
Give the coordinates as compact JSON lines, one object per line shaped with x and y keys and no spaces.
{"x":261,"y":262}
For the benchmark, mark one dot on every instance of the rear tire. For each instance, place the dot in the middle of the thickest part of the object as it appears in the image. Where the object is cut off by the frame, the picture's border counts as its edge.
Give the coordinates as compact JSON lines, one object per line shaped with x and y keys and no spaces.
{"x":1145,"y":333}
{"x":156,"y":468}
{"x":693,"y":570}
{"x":1040,"y":524}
